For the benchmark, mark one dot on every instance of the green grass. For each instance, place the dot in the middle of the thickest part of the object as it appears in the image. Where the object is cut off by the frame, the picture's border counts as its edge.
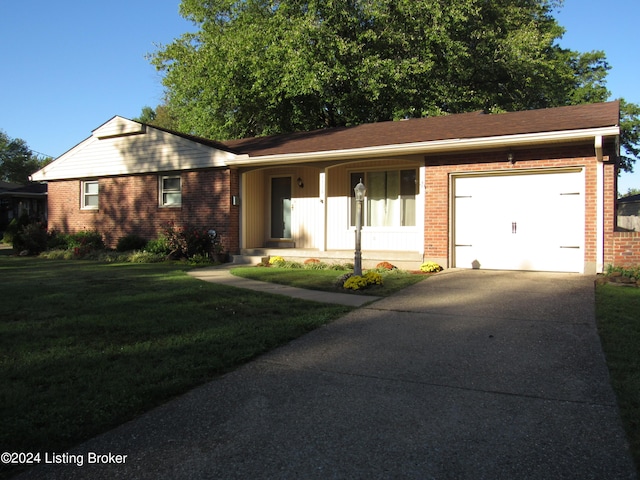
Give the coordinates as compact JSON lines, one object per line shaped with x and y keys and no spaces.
{"x":618,"y":314}
{"x":324,"y":280}
{"x":86,"y":346}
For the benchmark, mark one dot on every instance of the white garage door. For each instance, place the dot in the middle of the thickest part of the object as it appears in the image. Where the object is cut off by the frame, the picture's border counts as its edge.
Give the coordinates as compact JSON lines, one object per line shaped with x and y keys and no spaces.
{"x":520,"y":222}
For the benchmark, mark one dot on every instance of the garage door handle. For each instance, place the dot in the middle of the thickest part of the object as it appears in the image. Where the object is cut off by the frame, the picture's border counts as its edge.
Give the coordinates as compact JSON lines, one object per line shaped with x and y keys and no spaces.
{"x":514,"y":227}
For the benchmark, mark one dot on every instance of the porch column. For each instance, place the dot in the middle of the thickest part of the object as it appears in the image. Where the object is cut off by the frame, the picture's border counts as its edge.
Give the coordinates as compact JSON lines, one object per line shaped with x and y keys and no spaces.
{"x":322,"y":228}
{"x":600,"y":206}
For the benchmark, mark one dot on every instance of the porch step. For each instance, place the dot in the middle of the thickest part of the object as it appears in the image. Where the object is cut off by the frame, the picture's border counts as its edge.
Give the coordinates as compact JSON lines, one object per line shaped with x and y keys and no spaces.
{"x":402,"y":260}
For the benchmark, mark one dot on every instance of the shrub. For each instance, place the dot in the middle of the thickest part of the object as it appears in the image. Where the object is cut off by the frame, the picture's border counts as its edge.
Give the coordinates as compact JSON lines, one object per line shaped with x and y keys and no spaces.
{"x":57,"y":254}
{"x":15,"y":226}
{"x":11,"y":231}
{"x":631,"y":272}
{"x":85,"y":242}
{"x":187,"y":241}
{"x":131,"y":242}
{"x":57,"y":241}
{"x":90,"y":239}
{"x":146,"y":257}
{"x":430,"y":267}
{"x":158,"y":246}
{"x":32,"y":238}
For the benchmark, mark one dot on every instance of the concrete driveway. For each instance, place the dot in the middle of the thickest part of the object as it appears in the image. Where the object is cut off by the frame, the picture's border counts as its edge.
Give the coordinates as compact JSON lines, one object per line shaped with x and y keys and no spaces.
{"x":467,"y":375}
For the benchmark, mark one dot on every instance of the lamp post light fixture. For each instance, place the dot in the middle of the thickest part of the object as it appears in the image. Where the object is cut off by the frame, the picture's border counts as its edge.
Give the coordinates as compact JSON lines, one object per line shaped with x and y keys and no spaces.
{"x":360,"y":191}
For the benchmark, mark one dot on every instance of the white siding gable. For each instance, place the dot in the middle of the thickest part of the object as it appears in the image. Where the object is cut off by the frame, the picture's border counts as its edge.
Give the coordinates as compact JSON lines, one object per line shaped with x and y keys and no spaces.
{"x":125,"y":147}
{"x":117,"y":127}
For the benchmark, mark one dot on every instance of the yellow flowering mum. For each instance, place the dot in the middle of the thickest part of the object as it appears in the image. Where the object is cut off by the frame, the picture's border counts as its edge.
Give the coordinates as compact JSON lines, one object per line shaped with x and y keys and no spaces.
{"x":275,"y":260}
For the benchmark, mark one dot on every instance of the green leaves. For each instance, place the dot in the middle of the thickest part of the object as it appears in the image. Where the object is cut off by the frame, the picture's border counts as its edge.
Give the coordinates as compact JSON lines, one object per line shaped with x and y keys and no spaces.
{"x":258,"y":67}
{"x":17,"y":161}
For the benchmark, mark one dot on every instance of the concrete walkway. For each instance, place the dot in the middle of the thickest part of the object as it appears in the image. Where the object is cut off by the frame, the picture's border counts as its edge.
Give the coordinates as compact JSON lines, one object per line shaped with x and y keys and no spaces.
{"x":222,"y":275}
{"x":467,"y":375}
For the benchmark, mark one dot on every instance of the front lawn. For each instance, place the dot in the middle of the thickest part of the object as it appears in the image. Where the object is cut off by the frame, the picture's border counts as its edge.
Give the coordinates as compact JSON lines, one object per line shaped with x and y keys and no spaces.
{"x":325,"y":280}
{"x":86,"y":346}
{"x":618,"y":314}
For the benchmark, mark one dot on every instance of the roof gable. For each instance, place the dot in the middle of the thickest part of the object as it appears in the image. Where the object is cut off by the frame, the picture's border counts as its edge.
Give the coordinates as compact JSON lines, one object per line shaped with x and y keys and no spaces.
{"x":118,"y":127}
{"x":126,"y":147}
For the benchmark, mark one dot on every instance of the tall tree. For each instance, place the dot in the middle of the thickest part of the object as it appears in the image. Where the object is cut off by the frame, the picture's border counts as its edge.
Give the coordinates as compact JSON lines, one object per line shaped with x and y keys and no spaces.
{"x":17,"y":161}
{"x":630,"y":136}
{"x":258,"y":67}
{"x":159,"y":117}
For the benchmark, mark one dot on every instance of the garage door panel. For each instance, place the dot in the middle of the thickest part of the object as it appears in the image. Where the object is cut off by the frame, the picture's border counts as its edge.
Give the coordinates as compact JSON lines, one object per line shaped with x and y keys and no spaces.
{"x":520,"y":222}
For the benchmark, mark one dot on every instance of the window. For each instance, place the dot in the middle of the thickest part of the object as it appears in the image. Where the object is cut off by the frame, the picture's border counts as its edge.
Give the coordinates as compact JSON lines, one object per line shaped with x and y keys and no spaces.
{"x":390,"y":199}
{"x":90,"y":195}
{"x":170,"y":191}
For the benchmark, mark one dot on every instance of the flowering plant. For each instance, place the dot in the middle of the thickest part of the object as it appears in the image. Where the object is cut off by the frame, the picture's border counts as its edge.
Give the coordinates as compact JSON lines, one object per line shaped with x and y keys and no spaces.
{"x":276,"y":260}
{"x":373,"y":278}
{"x":355,"y":282}
{"x":430,"y":267}
{"x":187,"y":241}
{"x":385,"y":266}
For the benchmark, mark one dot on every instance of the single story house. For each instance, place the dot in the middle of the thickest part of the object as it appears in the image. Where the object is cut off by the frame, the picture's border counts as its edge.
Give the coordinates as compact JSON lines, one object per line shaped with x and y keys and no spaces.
{"x":530,"y":190}
{"x":17,"y":200}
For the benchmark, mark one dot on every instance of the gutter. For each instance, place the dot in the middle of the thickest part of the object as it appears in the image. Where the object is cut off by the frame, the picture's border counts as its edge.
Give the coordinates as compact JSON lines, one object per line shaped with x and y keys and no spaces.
{"x":435,"y":146}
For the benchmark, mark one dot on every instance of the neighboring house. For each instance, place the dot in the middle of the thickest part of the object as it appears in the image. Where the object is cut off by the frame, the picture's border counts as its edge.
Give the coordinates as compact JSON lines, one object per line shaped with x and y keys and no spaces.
{"x":17,"y":200}
{"x":629,"y":213}
{"x":532,"y":190}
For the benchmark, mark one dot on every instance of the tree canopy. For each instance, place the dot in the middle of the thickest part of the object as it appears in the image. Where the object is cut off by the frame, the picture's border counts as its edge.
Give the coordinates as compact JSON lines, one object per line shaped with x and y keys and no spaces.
{"x":17,"y":161}
{"x":260,"y":67}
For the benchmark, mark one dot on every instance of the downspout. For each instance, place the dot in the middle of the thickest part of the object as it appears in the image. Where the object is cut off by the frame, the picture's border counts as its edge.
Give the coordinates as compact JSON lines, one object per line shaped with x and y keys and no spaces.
{"x":599,"y":204}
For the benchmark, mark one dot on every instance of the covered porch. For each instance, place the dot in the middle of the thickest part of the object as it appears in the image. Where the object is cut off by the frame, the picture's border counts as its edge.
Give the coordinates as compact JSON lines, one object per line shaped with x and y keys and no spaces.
{"x":306,"y":211}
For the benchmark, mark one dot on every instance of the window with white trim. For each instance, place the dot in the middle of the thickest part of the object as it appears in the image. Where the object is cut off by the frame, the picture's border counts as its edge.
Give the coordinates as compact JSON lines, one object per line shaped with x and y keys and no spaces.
{"x":170,"y":191}
{"x":90,"y":194}
{"x":390,"y":200}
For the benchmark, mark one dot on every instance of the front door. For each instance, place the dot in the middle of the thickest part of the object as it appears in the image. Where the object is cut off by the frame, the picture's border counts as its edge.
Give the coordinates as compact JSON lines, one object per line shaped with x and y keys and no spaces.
{"x":281,"y":207}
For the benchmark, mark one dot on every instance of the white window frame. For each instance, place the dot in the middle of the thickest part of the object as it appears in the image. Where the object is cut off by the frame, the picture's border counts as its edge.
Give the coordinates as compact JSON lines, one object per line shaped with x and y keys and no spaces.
{"x":162,"y":191}
{"x":85,"y":196}
{"x":366,"y":210}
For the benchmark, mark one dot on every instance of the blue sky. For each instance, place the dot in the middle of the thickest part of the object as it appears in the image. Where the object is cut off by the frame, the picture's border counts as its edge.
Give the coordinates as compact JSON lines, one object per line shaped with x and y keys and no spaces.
{"x":71,"y":65}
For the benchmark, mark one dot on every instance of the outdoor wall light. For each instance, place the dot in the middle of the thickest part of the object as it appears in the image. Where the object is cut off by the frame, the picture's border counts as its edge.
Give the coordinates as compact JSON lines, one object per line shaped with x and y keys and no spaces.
{"x":511,"y":158}
{"x":300,"y":182}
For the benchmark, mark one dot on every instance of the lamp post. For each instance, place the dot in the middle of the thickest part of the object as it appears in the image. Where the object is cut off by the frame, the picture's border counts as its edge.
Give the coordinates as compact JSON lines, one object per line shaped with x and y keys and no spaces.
{"x":359,"y":190}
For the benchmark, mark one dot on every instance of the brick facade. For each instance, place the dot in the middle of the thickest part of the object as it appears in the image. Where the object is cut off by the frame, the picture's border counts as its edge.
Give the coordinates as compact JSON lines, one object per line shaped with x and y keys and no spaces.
{"x":130,"y":205}
{"x":624,"y":250}
{"x":439,"y":169}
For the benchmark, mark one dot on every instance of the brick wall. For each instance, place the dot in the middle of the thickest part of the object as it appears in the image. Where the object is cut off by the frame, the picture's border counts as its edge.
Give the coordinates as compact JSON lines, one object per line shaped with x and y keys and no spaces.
{"x":438,"y":170}
{"x":130,"y":204}
{"x":624,"y":249}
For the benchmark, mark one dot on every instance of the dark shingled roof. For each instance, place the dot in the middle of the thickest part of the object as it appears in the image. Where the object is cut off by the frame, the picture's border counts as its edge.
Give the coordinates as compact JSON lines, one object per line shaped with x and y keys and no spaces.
{"x":449,"y":127}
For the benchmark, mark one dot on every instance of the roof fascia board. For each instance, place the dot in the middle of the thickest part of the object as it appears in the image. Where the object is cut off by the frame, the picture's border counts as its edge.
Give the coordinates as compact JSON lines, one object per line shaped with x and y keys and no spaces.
{"x":437,"y":146}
